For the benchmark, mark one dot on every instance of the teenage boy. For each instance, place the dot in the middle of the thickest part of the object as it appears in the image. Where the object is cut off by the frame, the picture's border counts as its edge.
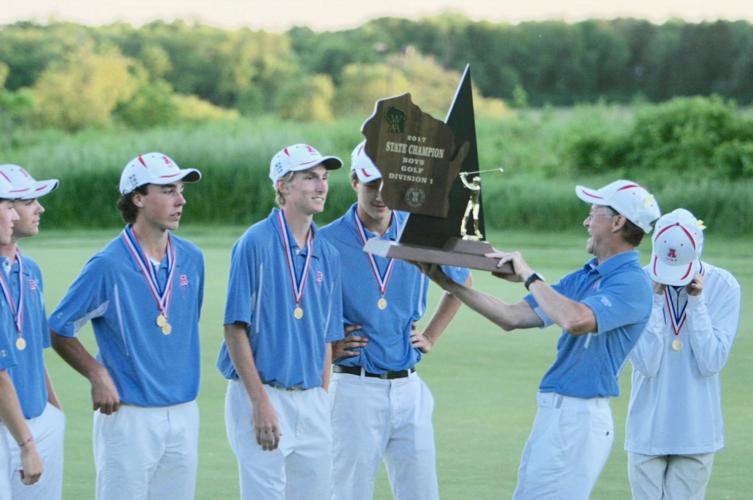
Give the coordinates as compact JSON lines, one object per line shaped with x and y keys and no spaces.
{"x":381,"y":409}
{"x":22,"y":288}
{"x":143,"y":294}
{"x":675,"y":423}
{"x":284,"y":307}
{"x":11,"y":415}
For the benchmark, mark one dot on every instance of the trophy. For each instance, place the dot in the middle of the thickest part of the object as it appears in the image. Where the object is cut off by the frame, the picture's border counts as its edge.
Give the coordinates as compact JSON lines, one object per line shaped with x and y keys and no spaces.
{"x":430,"y":169}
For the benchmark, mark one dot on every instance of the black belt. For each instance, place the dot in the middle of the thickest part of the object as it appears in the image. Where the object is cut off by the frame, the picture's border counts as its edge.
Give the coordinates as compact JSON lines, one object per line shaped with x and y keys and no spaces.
{"x":356,"y":370}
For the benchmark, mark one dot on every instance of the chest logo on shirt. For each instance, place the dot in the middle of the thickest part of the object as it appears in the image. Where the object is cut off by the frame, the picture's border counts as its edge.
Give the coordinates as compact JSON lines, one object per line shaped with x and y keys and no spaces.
{"x":183,"y":280}
{"x":32,"y":284}
{"x":596,"y":285}
{"x":606,"y":302}
{"x":319,"y":277}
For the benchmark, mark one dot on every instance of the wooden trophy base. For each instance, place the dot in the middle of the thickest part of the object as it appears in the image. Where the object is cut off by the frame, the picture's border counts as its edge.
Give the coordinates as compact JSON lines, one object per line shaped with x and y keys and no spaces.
{"x":456,"y":252}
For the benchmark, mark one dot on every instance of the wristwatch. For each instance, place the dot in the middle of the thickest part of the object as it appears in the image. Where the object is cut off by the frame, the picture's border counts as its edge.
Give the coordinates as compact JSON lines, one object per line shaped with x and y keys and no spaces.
{"x":533,"y":277}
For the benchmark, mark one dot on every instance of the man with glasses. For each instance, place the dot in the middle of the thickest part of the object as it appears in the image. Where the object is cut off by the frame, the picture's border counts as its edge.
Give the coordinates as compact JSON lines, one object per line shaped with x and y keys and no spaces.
{"x":602,"y":309}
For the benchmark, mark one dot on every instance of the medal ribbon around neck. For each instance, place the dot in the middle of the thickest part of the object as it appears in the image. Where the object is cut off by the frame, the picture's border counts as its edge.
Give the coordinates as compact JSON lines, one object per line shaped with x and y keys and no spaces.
{"x":147,"y":270}
{"x":382,"y":281}
{"x":17,"y":312}
{"x":298,"y":288}
{"x":677,"y":314}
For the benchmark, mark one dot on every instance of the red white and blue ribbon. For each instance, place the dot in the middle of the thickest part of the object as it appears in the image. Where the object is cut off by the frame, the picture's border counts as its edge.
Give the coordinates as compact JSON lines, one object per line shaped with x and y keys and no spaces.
{"x":298,"y":287}
{"x":676,"y":308}
{"x":162,"y":297}
{"x":17,"y":312}
{"x":383,"y":281}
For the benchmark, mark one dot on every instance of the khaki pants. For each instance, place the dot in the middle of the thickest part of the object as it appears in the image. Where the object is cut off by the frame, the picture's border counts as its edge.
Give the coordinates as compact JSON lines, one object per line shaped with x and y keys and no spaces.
{"x":669,"y":477}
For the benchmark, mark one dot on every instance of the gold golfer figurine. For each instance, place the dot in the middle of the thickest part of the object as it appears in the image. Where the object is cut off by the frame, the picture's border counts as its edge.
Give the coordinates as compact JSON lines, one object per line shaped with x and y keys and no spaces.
{"x":474,"y":205}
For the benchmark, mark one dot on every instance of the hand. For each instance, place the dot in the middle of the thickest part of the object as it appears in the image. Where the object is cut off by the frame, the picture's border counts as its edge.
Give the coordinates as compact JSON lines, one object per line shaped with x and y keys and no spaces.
{"x":435,"y":273}
{"x":266,"y":425}
{"x":32,"y":464}
{"x":105,"y":397}
{"x":520,"y":268}
{"x":695,"y":287}
{"x":659,"y":288}
{"x":345,"y":348}
{"x":420,"y":341}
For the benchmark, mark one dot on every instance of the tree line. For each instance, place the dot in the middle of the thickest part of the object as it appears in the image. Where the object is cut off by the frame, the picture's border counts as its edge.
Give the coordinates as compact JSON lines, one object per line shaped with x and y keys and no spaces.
{"x":72,"y":76}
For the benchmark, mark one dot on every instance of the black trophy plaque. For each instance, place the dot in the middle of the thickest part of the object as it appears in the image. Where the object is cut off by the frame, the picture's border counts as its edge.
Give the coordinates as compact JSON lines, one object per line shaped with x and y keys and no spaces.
{"x":420,"y":159}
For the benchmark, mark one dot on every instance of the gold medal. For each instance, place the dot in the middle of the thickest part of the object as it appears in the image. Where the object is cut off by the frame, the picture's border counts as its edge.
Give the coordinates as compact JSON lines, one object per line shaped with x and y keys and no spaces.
{"x":298,"y":312}
{"x":382,"y":303}
{"x":166,"y":328}
{"x":161,"y":320}
{"x":20,"y":343}
{"x":677,"y":344}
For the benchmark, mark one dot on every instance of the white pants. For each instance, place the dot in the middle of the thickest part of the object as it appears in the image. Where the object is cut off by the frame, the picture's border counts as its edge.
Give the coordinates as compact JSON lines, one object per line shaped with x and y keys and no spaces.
{"x":48,"y":430}
{"x":147,"y":453}
{"x":670,"y":477}
{"x":567,"y":449}
{"x":375,"y":419}
{"x":300,"y":467}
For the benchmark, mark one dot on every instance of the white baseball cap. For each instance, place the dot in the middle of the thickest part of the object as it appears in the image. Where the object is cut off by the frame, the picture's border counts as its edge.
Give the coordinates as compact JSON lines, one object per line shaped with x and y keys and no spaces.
{"x":361,"y":164}
{"x":7,"y":190}
{"x":25,"y":186}
{"x":677,"y":248}
{"x":627,"y":198}
{"x":154,"y":168}
{"x":299,"y":157}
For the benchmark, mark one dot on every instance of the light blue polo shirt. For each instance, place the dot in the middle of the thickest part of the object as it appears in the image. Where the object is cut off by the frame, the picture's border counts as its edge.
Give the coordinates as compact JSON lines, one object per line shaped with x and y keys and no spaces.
{"x":288,"y":352}
{"x":149,"y":368}
{"x":28,"y":375}
{"x":619,"y":294}
{"x":389,"y":347}
{"x":7,"y":336}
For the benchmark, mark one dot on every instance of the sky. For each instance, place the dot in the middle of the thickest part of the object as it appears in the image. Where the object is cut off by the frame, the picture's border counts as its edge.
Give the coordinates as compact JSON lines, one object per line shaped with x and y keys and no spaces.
{"x":278,"y":15}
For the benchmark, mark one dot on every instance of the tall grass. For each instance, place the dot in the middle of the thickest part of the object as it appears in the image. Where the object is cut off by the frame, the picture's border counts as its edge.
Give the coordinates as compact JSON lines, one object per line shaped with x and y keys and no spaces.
{"x":535,"y":192}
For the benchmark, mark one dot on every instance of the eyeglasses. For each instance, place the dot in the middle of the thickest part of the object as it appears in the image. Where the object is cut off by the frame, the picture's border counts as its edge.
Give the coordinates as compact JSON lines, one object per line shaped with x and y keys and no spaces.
{"x":607,"y":212}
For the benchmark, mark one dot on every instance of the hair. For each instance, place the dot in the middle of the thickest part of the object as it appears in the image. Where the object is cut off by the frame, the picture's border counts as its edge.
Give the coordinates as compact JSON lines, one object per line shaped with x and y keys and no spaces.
{"x":631,"y":233}
{"x":279,"y":197}
{"x":354,"y":176}
{"x":129,"y":211}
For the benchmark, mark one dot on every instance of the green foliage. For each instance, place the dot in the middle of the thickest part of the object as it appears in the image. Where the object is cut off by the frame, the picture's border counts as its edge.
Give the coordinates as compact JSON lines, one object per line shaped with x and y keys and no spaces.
{"x":151,"y":105}
{"x":306,"y":99}
{"x":697,"y":138}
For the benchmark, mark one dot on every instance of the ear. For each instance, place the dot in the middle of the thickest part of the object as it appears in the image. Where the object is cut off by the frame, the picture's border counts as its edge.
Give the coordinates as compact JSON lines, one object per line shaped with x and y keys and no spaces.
{"x":282,"y":186}
{"x":354,"y":183}
{"x":138,"y":199}
{"x":618,"y":223}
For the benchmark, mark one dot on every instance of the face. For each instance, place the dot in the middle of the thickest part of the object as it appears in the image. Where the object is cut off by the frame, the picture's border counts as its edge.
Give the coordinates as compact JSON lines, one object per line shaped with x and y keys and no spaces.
{"x":307,"y":191}
{"x":370,"y":203}
{"x":29,"y":213}
{"x":8,"y":217}
{"x":599,"y":225}
{"x":161,"y":206}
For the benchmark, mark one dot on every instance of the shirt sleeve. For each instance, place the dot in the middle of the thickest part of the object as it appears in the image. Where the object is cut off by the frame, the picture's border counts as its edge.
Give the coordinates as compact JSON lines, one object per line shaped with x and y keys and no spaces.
{"x":242,"y":283}
{"x":456,"y":274}
{"x":85,"y":299}
{"x":712,"y":325}
{"x":335,"y":318}
{"x":623,"y":300}
{"x":648,"y":353}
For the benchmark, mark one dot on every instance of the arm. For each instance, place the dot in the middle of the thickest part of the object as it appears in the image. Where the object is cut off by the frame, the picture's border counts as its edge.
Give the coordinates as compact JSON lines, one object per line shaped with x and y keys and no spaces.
{"x":506,"y":316}
{"x":574,"y":317}
{"x":11,"y":416}
{"x":712,"y":325}
{"x":52,"y":398}
{"x":105,"y":397}
{"x":266,"y":424}
{"x":446,"y":309}
{"x":327,"y":365}
{"x":648,"y":353}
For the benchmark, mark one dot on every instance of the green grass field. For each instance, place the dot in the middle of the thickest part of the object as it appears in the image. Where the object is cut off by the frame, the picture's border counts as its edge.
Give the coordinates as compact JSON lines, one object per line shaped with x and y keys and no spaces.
{"x":483,"y":380}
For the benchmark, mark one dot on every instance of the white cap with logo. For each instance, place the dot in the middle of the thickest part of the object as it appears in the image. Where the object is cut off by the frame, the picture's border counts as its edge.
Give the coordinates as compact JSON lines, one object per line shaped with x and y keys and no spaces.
{"x":7,"y":190}
{"x":154,"y":168}
{"x":627,"y":198}
{"x":299,"y":157}
{"x":677,"y":248}
{"x":361,"y":164}
{"x":25,"y":186}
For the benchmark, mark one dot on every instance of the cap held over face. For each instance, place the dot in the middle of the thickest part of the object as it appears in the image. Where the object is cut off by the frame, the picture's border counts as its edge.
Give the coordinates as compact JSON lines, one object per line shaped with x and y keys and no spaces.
{"x":299,"y":157}
{"x":25,"y":186}
{"x":154,"y":168}
{"x":626,"y":197}
{"x":677,"y":248}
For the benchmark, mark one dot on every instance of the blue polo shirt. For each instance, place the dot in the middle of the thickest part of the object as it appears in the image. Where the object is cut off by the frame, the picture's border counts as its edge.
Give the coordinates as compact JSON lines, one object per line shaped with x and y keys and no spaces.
{"x":389,"y":347}
{"x":148,"y":368}
{"x":288,"y":352}
{"x":28,"y":375}
{"x":619,"y":294}
{"x":8,"y":349}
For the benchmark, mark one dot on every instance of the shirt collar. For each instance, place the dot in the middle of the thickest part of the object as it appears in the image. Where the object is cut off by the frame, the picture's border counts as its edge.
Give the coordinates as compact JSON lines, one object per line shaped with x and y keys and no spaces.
{"x":612,"y":263}
{"x":291,"y":240}
{"x":390,"y":234}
